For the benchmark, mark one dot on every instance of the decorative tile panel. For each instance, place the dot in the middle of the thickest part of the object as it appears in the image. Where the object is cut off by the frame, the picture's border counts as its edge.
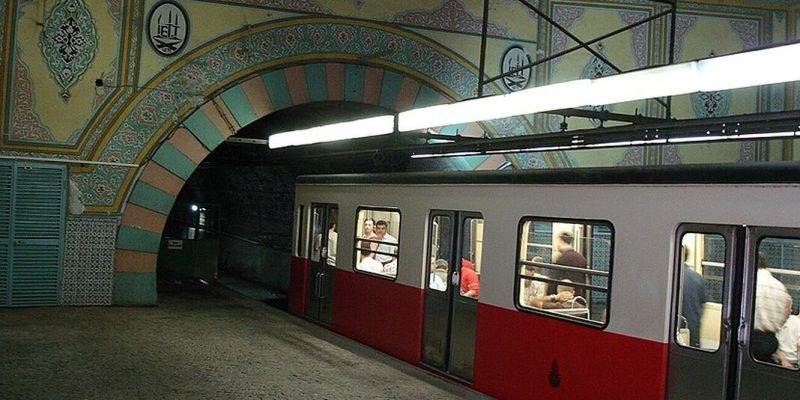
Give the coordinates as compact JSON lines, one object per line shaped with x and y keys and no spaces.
{"x":68,"y":43}
{"x":451,"y":16}
{"x":711,"y":104}
{"x":309,"y":37}
{"x":295,"y":5}
{"x":89,"y":260}
{"x":26,"y":124}
{"x":640,"y":46}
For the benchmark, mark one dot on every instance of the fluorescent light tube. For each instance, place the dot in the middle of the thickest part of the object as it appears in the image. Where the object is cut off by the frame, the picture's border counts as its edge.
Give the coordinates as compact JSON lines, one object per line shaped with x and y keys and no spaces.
{"x":528,"y":101}
{"x":752,"y":68}
{"x":457,"y":154}
{"x":690,"y":139}
{"x":374,"y":126}
{"x":645,"y":84}
{"x":765,"y":135}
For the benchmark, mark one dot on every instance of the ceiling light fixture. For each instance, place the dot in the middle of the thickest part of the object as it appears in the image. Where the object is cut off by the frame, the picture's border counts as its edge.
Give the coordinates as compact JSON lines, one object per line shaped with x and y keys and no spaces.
{"x":746,"y":69}
{"x":361,"y":128}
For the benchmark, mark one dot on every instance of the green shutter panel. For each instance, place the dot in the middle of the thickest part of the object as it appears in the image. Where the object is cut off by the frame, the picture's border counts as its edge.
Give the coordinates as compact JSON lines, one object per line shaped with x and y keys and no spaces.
{"x":5,"y":232}
{"x":37,"y":235}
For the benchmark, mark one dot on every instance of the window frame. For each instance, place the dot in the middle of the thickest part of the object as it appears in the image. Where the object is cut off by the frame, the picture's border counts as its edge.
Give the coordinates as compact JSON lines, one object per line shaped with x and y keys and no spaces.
{"x":769,"y":233}
{"x":517,"y":275}
{"x":355,"y":249}
{"x":682,"y":230}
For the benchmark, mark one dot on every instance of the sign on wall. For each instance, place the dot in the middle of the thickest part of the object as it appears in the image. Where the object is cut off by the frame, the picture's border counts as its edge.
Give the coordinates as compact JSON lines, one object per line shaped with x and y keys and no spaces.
{"x":168,"y":28}
{"x":515,"y":58}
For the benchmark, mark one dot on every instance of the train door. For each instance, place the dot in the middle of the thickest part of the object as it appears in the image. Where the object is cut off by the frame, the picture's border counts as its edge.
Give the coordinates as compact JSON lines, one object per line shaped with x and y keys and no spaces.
{"x":704,"y":310}
{"x":451,"y":294}
{"x":322,"y":242}
{"x":773,"y":270}
{"x":717,"y":349}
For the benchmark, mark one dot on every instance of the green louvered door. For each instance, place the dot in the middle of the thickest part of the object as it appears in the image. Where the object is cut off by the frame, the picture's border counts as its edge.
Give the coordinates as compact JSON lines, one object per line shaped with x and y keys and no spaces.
{"x":5,"y":231}
{"x":32,"y":233}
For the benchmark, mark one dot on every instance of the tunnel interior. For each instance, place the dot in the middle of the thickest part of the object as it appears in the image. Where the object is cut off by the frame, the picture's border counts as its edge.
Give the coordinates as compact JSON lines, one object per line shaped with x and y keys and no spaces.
{"x":233,"y":217}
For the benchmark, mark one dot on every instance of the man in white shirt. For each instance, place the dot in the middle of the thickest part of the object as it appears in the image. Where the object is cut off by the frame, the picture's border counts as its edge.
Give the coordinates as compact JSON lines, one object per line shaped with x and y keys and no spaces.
{"x":389,"y":262}
{"x":789,"y":342}
{"x":773,"y":306}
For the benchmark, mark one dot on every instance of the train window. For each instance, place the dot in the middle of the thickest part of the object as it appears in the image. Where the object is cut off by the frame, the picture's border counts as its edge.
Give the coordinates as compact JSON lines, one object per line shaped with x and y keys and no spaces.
{"x":317,"y":225}
{"x":440,"y":251}
{"x":699,"y":314}
{"x":472,"y":256}
{"x":376,"y":241}
{"x":564,"y":268}
{"x":775,"y":335}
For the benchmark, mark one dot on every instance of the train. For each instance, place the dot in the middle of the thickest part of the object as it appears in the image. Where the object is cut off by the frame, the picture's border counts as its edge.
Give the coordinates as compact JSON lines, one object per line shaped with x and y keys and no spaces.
{"x":601,"y":283}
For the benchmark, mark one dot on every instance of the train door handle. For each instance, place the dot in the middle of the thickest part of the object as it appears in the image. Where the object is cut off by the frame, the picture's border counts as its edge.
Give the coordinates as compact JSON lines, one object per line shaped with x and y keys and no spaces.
{"x":742,"y":330}
{"x":316,"y":285}
{"x":322,"y":285}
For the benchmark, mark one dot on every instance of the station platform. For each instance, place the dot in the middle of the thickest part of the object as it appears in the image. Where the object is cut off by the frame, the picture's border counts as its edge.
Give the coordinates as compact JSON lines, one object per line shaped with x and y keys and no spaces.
{"x":200,"y":342}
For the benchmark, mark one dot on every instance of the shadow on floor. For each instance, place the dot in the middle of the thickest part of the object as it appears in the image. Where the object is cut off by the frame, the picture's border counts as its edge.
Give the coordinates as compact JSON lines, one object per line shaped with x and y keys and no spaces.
{"x":254,"y":290}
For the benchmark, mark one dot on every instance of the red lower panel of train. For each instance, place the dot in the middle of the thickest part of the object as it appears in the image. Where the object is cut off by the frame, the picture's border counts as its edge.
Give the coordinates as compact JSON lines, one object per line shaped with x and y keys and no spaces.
{"x":524,"y":356}
{"x":518,"y":355}
{"x":298,"y":280}
{"x":379,"y":313}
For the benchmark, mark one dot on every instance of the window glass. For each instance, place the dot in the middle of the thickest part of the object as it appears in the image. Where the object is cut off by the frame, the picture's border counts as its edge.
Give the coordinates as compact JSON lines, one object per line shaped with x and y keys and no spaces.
{"x":701,"y":273}
{"x":564,"y":268}
{"x":377,"y":241}
{"x":316,"y":233}
{"x":775,"y":335}
{"x":440,"y":252}
{"x":333,"y":235}
{"x":471,"y":258}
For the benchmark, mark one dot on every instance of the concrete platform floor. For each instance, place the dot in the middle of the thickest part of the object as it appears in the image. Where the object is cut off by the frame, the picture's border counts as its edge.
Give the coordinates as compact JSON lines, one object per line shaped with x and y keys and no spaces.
{"x":198,"y":343}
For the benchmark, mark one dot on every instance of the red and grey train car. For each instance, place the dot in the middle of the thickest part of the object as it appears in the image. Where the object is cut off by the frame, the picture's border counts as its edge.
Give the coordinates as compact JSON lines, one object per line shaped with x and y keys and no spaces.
{"x":628,"y":331}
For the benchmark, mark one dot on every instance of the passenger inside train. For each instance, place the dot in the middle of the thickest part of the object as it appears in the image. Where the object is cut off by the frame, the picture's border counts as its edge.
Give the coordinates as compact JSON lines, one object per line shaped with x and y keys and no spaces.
{"x":470,"y":281}
{"x":368,"y":263}
{"x":581,"y":260}
{"x":438,"y":276}
{"x":699,"y":308}
{"x":380,"y":237}
{"x":693,"y":297}
{"x":789,"y":342}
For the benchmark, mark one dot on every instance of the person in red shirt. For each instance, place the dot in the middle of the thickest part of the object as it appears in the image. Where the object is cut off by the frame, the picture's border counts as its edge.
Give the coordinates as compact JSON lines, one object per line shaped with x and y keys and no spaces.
{"x":470,"y":281}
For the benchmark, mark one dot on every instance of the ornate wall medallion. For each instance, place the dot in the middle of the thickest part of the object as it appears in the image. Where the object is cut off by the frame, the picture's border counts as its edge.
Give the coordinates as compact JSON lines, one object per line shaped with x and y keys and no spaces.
{"x":168,"y":28}
{"x":514,"y":58}
{"x":68,"y":43}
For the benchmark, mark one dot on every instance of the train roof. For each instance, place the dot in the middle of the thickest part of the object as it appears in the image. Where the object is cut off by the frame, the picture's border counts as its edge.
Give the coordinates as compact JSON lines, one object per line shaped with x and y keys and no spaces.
{"x":756,"y":173}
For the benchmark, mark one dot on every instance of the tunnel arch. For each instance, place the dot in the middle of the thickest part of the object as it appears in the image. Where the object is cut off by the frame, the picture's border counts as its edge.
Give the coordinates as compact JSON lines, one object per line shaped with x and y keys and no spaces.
{"x":416,"y":73}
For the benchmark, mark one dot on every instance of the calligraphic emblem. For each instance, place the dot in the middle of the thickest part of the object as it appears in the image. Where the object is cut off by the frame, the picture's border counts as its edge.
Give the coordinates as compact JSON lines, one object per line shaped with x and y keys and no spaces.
{"x":514,"y":60}
{"x":168,"y":28}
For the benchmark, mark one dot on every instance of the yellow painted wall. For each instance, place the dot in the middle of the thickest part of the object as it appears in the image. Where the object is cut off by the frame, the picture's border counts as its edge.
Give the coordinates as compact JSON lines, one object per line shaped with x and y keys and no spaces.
{"x":64,"y":117}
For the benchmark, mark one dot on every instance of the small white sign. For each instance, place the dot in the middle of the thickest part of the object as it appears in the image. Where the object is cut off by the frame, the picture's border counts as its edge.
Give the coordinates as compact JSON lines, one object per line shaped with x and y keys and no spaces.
{"x":174,"y":244}
{"x":515,"y":58}
{"x":167,"y":28}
